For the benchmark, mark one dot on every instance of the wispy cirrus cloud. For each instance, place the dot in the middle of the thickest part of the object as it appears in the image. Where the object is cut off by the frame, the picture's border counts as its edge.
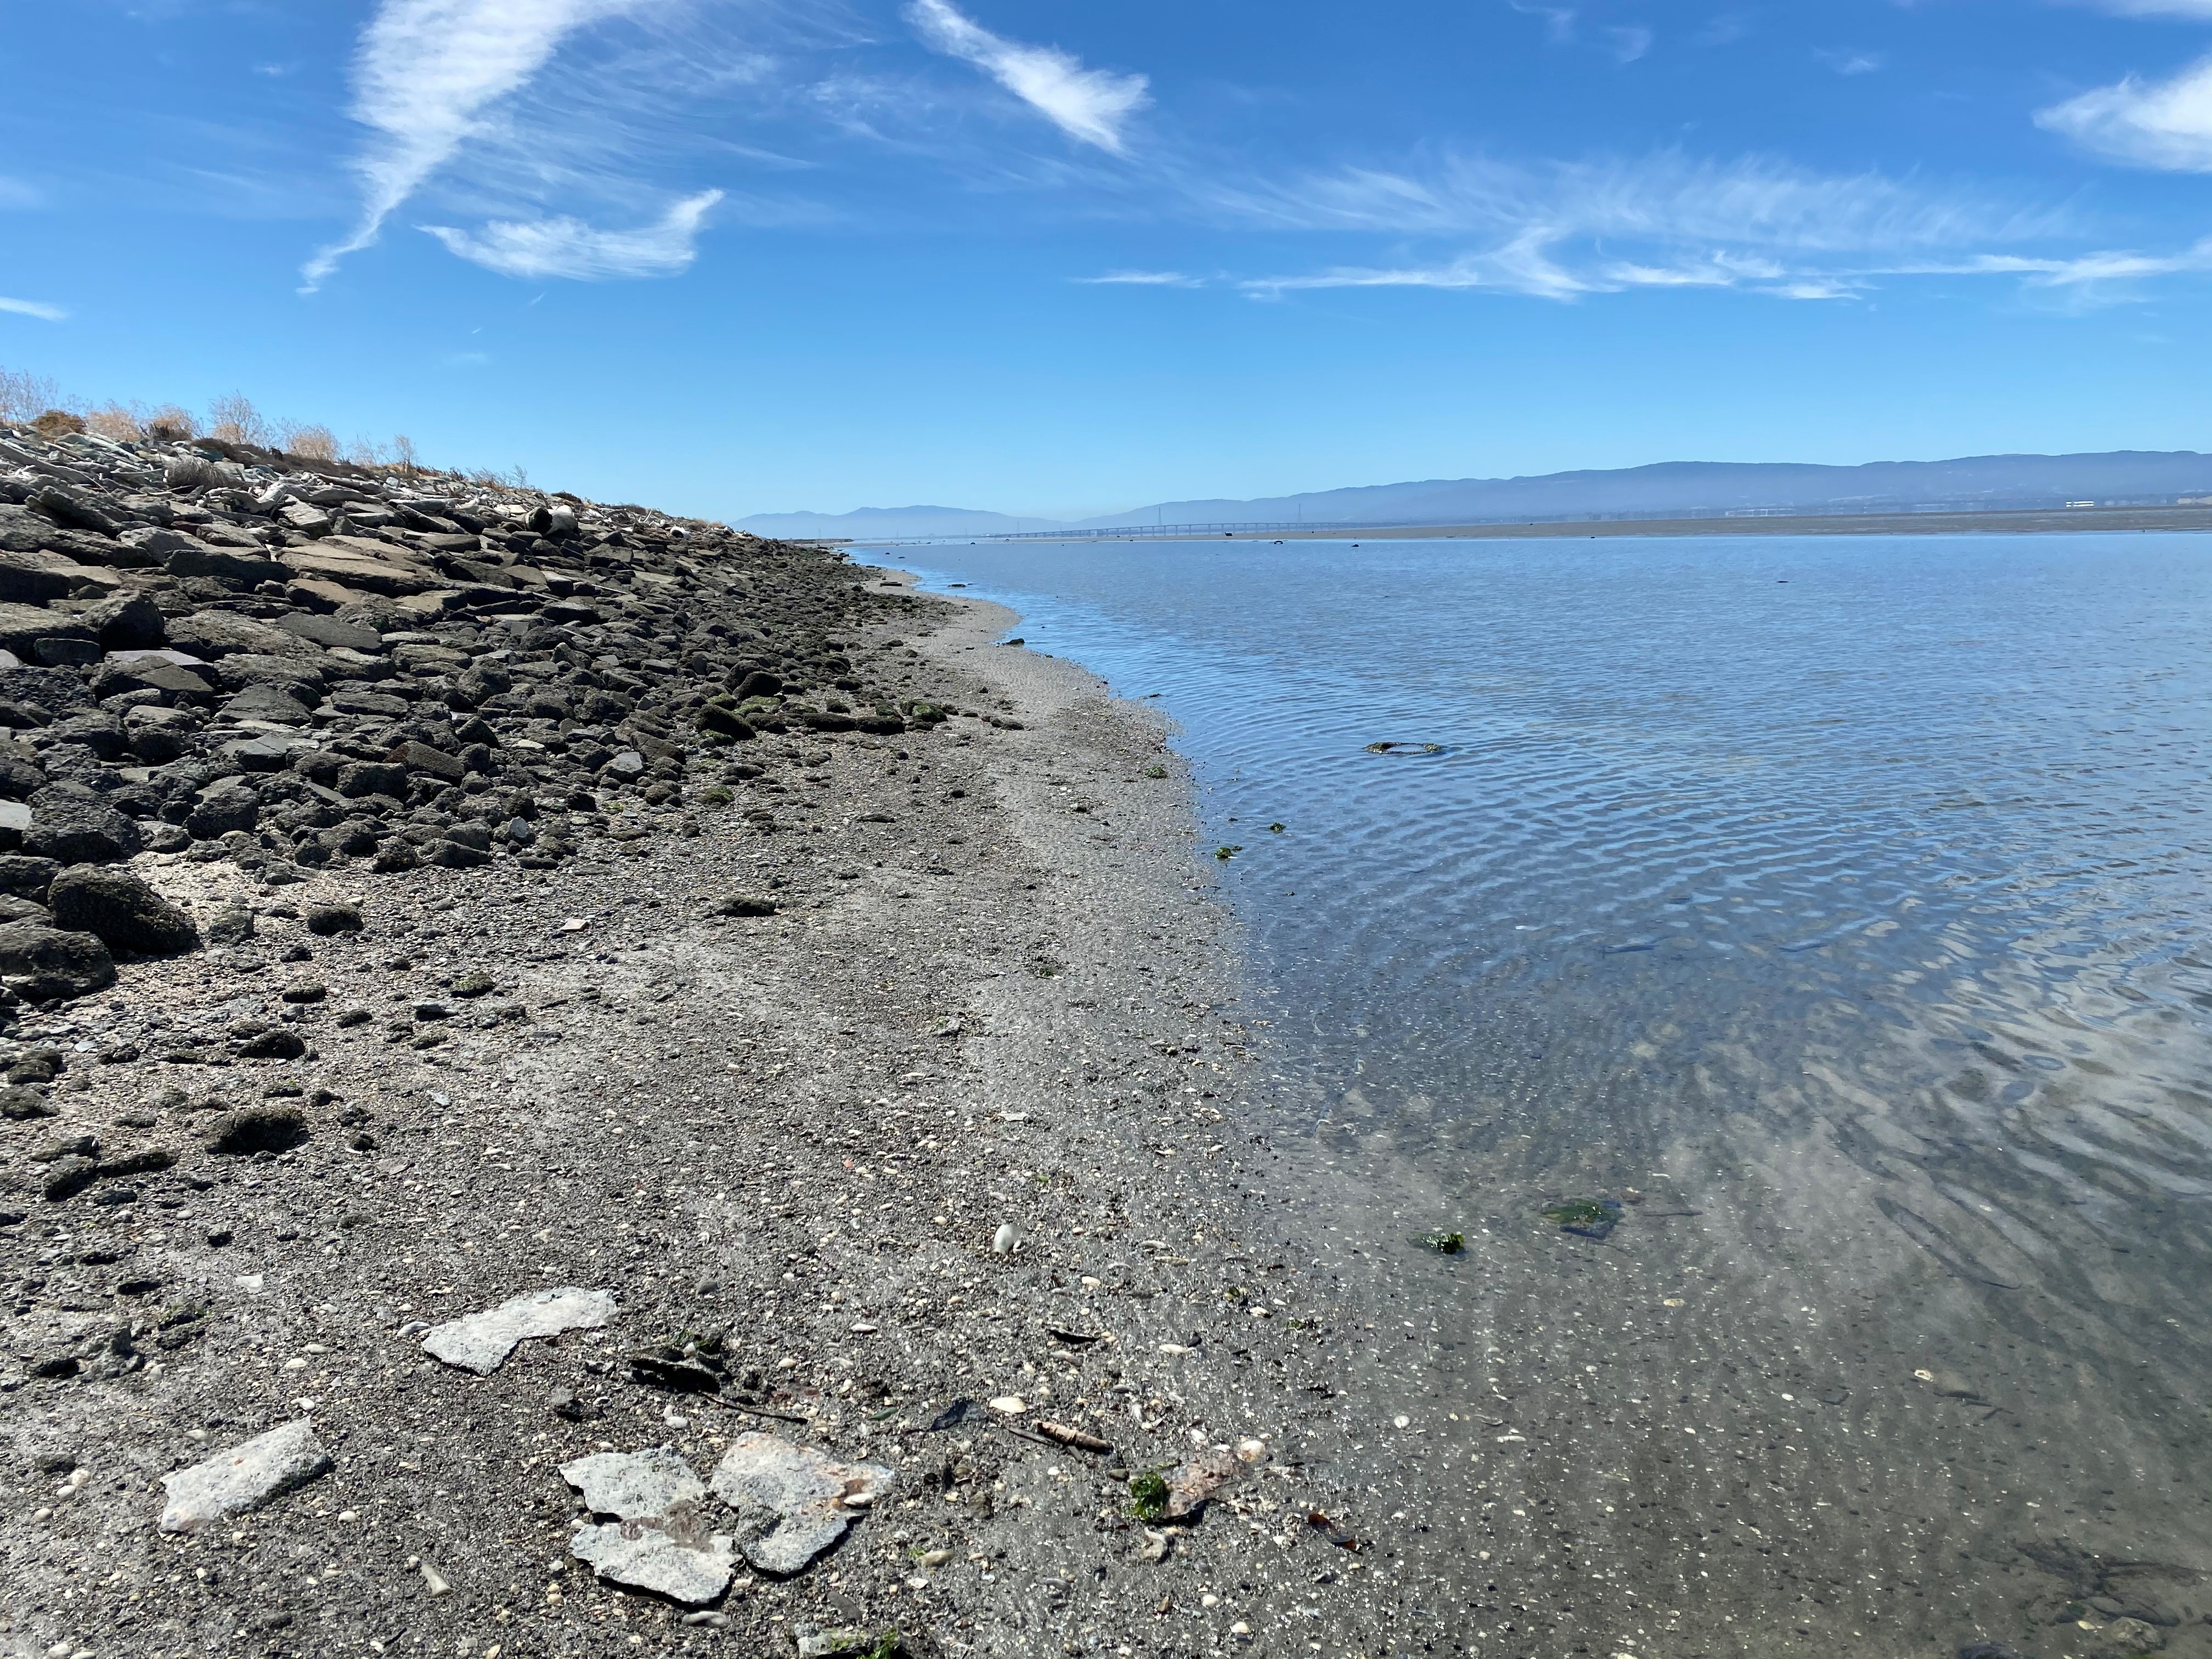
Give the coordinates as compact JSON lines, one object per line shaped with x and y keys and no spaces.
{"x":1143,"y":279}
{"x":2155,"y":8}
{"x":1564,"y":230}
{"x":2165,"y":125}
{"x":39,"y":308}
{"x":424,"y":74}
{"x":565,"y":246}
{"x":1092,"y":106}
{"x":1751,"y":201}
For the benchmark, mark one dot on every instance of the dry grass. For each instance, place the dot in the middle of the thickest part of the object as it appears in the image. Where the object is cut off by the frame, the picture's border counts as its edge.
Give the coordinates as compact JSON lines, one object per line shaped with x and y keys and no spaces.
{"x":33,"y":399}
{"x":310,"y":442}
{"x":115,"y":422}
{"x":234,"y":420}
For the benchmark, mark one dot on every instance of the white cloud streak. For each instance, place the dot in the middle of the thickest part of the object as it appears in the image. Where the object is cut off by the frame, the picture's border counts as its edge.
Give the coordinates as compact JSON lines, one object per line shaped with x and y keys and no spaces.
{"x":1093,"y":106}
{"x":2166,"y":125}
{"x":2155,"y":8}
{"x":568,"y":247}
{"x":1144,"y":279}
{"x":425,"y":73}
{"x":1526,"y":266}
{"x":1755,"y":202}
{"x":1561,"y":231}
{"x":44,"y":312}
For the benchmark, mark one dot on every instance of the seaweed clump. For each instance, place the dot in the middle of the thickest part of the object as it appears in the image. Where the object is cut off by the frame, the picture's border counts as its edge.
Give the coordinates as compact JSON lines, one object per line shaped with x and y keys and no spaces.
{"x":1442,"y":1242}
{"x":1148,"y":1494}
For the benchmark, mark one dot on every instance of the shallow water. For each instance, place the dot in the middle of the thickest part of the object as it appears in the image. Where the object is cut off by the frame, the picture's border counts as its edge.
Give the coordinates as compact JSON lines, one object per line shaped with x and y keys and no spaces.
{"x":1838,"y":906}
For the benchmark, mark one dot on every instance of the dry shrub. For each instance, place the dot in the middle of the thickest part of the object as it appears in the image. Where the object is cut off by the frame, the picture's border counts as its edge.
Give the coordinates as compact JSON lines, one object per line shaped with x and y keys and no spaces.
{"x":53,"y":422}
{"x":114,"y":422}
{"x":169,"y":424}
{"x":365,"y":451}
{"x":23,"y":394}
{"x":191,"y":472}
{"x":309,"y":442}
{"x":236,"y":420}
{"x":402,"y":453}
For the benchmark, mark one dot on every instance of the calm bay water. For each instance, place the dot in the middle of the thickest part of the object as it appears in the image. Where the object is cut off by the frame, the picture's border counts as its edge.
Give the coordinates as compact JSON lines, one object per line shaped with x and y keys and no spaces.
{"x":1836,"y":906}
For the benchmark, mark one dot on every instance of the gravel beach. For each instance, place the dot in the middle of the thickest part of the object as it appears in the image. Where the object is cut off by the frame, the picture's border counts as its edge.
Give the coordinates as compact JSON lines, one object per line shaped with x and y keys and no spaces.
{"x":749,"y":1164}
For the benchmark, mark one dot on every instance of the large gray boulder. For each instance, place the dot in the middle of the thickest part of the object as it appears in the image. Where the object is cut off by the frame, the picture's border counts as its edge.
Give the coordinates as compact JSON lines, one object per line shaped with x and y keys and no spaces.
{"x":72,"y":830}
{"x":212,"y":634}
{"x":127,"y":913}
{"x":42,"y":964}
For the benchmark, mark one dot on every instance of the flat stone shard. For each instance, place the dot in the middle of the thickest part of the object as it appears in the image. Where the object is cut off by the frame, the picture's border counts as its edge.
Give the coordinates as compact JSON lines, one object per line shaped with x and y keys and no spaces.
{"x":634,"y":1485}
{"x":658,"y":1541}
{"x":647,"y":1559}
{"x":480,"y":1342}
{"x":792,"y":1502}
{"x":243,"y":1477}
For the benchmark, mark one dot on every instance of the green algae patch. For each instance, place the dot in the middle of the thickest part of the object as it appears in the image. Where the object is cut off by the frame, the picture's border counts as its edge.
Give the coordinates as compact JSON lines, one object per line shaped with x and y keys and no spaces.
{"x":1442,"y":1241}
{"x":1148,"y":1494}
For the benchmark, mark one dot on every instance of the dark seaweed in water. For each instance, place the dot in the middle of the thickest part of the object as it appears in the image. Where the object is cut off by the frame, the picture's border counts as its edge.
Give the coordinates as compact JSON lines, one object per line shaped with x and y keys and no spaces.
{"x":1590,"y":1217}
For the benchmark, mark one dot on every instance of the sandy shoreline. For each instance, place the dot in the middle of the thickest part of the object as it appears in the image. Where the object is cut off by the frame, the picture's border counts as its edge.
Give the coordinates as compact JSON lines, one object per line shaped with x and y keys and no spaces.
{"x":992,"y":992}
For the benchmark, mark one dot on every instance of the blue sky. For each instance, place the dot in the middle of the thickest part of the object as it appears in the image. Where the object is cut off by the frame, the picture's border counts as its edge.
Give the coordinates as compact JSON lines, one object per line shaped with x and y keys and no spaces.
{"x":730,"y":256}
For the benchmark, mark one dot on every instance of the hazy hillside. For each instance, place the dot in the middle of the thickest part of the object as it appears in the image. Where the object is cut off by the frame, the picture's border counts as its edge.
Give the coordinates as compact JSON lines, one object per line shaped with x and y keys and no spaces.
{"x":1668,"y":487}
{"x":866,"y":522}
{"x":1720,"y":486}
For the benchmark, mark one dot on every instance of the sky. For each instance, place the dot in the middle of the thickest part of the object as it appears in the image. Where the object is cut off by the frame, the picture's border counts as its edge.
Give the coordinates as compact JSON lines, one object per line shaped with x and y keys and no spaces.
{"x":1063,"y":257}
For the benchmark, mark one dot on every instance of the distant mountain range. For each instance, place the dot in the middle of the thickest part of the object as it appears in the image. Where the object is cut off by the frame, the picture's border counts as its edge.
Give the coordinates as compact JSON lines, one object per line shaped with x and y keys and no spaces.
{"x":863,"y":523}
{"x":1669,"y":488}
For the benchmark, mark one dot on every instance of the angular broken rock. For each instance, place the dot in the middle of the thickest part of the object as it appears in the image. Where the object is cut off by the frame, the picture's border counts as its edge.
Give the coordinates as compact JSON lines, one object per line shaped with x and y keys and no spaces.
{"x":647,"y":1559}
{"x":634,"y":1485}
{"x":480,"y":1342}
{"x":658,"y":1541}
{"x":792,"y":1502}
{"x":243,"y":1477}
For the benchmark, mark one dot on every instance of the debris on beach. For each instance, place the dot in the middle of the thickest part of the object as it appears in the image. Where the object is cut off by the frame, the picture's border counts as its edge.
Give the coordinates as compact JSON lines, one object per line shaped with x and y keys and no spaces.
{"x":243,"y":1477}
{"x":1588,"y":1217}
{"x":1332,"y":1531}
{"x":657,"y":1541}
{"x":1192,"y":1483}
{"x":1442,"y":1242}
{"x":792,"y":1501}
{"x":481,"y":1342}
{"x":847,"y":1642}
